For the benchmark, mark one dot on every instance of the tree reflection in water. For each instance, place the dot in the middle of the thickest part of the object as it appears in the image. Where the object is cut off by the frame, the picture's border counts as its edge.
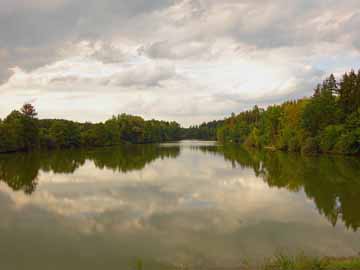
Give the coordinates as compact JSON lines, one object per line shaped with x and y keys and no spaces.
{"x":332,"y":182}
{"x":20,"y":171}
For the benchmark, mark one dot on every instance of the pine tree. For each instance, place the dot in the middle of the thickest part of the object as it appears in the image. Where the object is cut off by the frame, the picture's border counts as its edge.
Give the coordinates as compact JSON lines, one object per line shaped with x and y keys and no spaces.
{"x":28,"y":110}
{"x":347,"y":90}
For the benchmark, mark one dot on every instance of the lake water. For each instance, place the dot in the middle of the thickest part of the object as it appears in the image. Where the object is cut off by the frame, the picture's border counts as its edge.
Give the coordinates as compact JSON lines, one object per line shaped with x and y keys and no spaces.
{"x":193,"y":204}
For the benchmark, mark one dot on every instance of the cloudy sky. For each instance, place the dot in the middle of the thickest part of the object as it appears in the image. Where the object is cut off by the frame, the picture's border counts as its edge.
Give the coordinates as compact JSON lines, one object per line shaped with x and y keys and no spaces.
{"x":183,"y":60}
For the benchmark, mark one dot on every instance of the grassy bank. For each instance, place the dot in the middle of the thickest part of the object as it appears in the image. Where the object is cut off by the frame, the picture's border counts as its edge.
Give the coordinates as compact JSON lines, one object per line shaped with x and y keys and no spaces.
{"x":302,"y":262}
{"x":278,"y":262}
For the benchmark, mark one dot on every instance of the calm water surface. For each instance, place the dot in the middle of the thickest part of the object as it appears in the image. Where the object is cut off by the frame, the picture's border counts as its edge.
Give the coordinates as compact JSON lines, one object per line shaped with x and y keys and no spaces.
{"x":189,"y":203}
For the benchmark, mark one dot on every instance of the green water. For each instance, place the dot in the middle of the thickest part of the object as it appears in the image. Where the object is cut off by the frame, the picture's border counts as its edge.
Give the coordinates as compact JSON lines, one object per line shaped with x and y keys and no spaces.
{"x":190,"y":204}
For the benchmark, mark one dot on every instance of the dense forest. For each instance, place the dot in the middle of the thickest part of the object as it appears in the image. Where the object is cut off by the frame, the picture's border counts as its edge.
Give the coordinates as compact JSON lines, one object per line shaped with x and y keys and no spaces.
{"x":22,"y":131}
{"x":327,"y":122}
{"x":205,"y":131}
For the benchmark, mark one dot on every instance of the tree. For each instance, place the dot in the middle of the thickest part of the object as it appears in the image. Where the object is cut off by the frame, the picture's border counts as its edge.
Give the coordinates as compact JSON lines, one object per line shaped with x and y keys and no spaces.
{"x":28,"y":110}
{"x":21,"y":132}
{"x":65,"y":134}
{"x":328,"y":121}
{"x":322,"y":110}
{"x":349,"y":92}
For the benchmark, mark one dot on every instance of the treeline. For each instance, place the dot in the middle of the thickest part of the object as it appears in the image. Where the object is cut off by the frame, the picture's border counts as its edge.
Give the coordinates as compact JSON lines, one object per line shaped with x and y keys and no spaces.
{"x":205,"y":131}
{"x":22,"y":131}
{"x":328,"y":122}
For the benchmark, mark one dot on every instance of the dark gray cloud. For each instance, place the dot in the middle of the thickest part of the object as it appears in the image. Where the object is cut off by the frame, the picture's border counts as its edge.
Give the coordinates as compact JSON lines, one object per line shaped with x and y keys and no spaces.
{"x":109,"y":54}
{"x":202,"y":41}
{"x":176,"y":50}
{"x":39,"y":28}
{"x":261,"y":24}
{"x":32,"y":32}
{"x":160,"y":49}
{"x":280,"y":23}
{"x":34,"y":24}
{"x":352,"y":28}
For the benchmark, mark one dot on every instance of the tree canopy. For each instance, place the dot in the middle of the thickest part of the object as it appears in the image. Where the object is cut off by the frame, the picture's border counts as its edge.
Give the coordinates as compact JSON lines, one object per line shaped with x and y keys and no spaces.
{"x":327,"y":122}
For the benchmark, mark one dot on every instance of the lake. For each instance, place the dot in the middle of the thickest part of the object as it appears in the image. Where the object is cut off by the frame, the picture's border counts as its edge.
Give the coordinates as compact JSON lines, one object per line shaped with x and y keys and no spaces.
{"x":187,"y":204}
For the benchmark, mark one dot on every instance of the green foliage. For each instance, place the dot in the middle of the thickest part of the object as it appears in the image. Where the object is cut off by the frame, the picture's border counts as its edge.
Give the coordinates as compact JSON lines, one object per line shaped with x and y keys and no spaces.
{"x":46,"y":140}
{"x":18,"y":132}
{"x":254,"y":138}
{"x":321,"y":111}
{"x":294,"y":144}
{"x":66,"y":134}
{"x":139,"y":264}
{"x":311,"y":146}
{"x":349,"y":92}
{"x":329,"y":137}
{"x":23,"y":132}
{"x":303,"y":262}
{"x":348,"y":143}
{"x":205,"y":131}
{"x":328,"y":122}
{"x":342,"y":263}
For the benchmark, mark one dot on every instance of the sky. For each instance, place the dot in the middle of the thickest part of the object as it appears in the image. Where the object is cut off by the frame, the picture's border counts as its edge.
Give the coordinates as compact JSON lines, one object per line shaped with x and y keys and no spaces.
{"x":184,"y":60}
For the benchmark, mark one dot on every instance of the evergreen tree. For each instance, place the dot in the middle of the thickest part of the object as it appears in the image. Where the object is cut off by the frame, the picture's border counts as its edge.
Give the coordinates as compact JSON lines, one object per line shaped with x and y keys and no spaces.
{"x":28,"y":110}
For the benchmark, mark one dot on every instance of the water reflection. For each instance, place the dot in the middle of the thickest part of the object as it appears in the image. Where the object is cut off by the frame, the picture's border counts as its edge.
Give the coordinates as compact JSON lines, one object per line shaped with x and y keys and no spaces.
{"x":183,"y":203}
{"x":332,"y":182}
{"x":20,"y":171}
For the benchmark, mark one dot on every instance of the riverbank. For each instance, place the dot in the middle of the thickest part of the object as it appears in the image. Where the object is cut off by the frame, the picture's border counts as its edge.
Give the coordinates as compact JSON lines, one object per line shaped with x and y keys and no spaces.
{"x":302,"y":262}
{"x":284,"y":262}
{"x":329,"y":153}
{"x":272,"y":148}
{"x":279,"y":262}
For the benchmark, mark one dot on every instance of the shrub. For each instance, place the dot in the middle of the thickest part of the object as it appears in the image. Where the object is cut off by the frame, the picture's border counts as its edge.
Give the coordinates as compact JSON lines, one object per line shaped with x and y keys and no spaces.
{"x":311,"y":146}
{"x":294,"y":145}
{"x":349,"y":143}
{"x":329,"y":137}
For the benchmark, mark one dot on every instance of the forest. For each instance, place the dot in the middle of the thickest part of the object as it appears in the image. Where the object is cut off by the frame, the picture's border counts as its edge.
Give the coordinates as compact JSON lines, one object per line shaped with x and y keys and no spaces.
{"x":22,"y":131}
{"x":327,"y":122}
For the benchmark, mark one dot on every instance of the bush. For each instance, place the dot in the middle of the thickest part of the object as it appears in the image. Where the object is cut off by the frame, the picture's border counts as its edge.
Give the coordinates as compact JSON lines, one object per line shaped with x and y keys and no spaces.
{"x":253,"y":140}
{"x":311,"y":146}
{"x":303,"y":262}
{"x":329,"y":137}
{"x":294,"y":145}
{"x":349,"y":143}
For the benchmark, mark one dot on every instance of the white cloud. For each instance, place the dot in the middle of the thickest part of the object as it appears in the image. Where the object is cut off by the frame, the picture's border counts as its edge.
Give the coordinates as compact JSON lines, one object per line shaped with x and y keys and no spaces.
{"x":214,"y":56}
